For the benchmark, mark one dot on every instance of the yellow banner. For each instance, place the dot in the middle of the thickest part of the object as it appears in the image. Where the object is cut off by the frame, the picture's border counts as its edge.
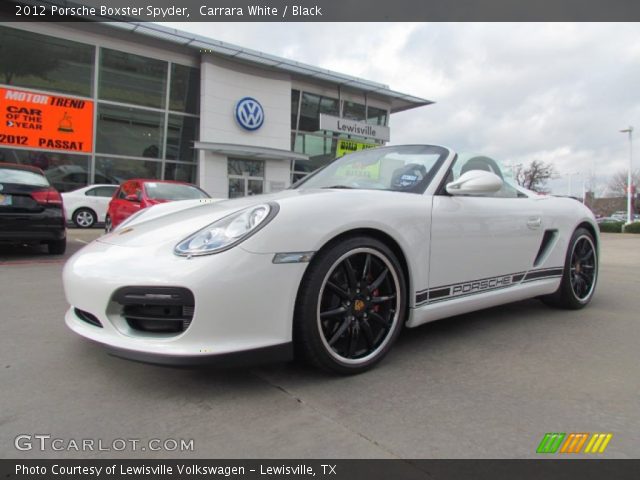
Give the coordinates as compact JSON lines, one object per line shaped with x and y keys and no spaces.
{"x":349,"y":146}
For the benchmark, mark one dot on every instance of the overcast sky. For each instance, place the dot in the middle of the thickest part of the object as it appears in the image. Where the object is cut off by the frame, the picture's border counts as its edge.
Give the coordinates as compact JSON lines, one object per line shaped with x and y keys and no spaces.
{"x":556,"y":92}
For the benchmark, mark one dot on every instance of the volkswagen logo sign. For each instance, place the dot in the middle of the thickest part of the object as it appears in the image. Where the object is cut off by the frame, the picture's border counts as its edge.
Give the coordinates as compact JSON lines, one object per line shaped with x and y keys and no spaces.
{"x":249,"y":113}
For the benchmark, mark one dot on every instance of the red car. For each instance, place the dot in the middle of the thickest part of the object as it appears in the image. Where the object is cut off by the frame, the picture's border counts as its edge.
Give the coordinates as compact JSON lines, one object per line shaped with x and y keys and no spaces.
{"x":136,"y":194}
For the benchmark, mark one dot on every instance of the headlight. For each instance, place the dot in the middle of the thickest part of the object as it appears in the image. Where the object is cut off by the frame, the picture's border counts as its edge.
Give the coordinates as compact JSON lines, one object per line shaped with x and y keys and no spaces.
{"x":228,"y":231}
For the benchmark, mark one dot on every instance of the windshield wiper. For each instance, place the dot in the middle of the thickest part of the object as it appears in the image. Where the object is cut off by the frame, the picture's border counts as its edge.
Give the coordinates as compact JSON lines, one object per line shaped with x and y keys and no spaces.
{"x":340,"y":186}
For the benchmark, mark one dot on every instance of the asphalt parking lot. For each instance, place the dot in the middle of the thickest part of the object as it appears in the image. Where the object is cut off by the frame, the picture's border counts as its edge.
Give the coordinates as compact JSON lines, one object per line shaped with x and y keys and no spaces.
{"x":482,"y":385}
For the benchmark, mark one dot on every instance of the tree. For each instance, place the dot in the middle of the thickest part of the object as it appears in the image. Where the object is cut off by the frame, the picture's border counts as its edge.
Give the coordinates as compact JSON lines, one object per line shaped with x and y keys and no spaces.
{"x":18,"y":59}
{"x":535,"y":176}
{"x":618,"y":182}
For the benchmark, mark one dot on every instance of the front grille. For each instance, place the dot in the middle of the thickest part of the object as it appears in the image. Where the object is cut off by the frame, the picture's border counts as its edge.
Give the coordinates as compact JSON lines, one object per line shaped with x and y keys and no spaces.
{"x":87,"y":317}
{"x":156,"y":309}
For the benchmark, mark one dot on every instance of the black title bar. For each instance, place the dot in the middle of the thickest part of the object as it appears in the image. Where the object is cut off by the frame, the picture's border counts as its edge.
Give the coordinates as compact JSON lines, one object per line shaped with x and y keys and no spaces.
{"x":320,"y":10}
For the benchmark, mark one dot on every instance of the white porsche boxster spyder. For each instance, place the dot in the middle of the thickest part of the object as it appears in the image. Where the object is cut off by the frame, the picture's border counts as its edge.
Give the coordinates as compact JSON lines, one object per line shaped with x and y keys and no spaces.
{"x":332,"y":268}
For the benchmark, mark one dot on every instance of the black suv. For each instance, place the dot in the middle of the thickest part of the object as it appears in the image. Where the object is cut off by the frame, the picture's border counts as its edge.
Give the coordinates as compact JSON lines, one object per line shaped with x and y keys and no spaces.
{"x":30,"y":208}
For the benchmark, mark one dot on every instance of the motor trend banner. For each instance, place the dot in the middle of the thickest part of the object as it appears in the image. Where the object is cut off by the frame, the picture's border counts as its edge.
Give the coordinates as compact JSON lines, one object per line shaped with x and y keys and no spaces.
{"x":45,"y":121}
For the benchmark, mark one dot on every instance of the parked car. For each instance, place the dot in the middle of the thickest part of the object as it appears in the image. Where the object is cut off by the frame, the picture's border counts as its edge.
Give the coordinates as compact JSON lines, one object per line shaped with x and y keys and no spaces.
{"x":334,"y":268}
{"x":137,"y":194}
{"x":30,"y":208}
{"x":66,"y":178}
{"x":87,"y":206}
{"x":607,"y":220}
{"x":619,"y":216}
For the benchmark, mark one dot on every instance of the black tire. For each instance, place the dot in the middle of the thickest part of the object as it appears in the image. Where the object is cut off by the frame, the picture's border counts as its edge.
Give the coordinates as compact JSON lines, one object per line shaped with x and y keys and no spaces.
{"x":57,"y":247}
{"x":84,"y":218}
{"x":108,"y":226}
{"x":580,"y":273}
{"x":365,"y":309}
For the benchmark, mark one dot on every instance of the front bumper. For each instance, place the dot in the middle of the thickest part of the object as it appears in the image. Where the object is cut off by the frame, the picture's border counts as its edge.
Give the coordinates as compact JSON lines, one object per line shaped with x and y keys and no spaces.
{"x":244,"y":303}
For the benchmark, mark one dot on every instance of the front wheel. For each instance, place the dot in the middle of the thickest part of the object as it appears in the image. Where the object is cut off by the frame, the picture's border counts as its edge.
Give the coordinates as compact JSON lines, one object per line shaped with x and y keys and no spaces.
{"x":580,"y":273}
{"x":351,"y":306}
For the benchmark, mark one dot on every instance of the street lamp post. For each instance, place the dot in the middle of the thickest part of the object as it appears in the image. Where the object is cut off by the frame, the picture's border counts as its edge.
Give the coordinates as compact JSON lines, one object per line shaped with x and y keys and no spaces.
{"x":629,"y":194}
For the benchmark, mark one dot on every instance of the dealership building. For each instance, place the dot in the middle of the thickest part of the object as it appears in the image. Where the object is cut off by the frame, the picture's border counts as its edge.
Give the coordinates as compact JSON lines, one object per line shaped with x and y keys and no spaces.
{"x":104,"y":102}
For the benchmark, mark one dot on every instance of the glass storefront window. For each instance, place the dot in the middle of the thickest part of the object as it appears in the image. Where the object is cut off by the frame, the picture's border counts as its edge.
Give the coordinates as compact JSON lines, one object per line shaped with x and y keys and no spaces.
{"x":129,"y":131}
{"x":249,"y":168}
{"x":65,"y":172}
{"x":295,"y":101}
{"x":184,"y":94}
{"x":376,"y":116}
{"x":119,"y":169}
{"x":181,"y":133}
{"x":129,"y":78}
{"x":180,"y":172}
{"x":42,"y":62}
{"x":353,"y":111}
{"x":311,"y":108}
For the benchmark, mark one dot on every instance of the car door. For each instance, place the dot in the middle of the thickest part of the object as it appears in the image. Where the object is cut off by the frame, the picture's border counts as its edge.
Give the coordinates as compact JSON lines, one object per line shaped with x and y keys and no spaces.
{"x":481,"y":243}
{"x":102,"y":197}
{"x":121,"y":208}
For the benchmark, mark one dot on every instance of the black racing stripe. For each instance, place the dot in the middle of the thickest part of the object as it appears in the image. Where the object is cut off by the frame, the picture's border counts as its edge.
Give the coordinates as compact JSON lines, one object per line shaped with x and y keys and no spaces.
{"x":539,"y":274}
{"x":443,"y":293}
{"x":462,"y":295}
{"x":439,"y":293}
{"x":422,"y":297}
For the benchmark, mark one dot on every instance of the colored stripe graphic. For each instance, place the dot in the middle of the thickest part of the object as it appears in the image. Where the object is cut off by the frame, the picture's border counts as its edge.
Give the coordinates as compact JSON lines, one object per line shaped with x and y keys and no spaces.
{"x":574,"y":442}
{"x":598,"y":443}
{"x":550,"y":442}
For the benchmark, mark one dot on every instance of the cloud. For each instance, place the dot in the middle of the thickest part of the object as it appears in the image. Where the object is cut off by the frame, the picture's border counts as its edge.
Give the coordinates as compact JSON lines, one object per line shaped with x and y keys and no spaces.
{"x":558,"y":92}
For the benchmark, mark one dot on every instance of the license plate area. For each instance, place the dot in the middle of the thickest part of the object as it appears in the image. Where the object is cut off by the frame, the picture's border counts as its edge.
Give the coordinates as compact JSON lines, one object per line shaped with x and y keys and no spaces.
{"x":6,"y":200}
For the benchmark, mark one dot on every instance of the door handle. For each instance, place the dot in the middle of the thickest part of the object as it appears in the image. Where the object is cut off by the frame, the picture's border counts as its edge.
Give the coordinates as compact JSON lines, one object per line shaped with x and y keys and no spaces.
{"x":534,"y":222}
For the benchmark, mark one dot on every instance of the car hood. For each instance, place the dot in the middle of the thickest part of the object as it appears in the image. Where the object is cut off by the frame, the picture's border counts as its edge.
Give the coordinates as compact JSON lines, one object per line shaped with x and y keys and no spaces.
{"x":174,"y":221}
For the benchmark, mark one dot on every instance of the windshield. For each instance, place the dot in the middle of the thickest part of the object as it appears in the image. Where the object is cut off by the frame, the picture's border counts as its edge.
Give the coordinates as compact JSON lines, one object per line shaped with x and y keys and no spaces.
{"x":407,"y":168}
{"x":23,"y":177}
{"x":173,"y":191}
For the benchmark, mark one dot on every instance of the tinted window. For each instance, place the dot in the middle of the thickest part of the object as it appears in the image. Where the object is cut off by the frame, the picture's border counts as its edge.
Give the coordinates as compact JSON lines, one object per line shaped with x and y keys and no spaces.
{"x":101,"y":192}
{"x":353,"y":111}
{"x":129,"y":131}
{"x":184,"y":94}
{"x":181,"y":133}
{"x":129,"y":78}
{"x":49,"y":63}
{"x":180,"y":172}
{"x":120,"y":169}
{"x":172,"y":191}
{"x":22,"y":177}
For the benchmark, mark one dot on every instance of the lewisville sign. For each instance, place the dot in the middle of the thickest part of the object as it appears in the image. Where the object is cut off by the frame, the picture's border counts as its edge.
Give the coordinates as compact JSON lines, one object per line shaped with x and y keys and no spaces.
{"x":353,"y":127}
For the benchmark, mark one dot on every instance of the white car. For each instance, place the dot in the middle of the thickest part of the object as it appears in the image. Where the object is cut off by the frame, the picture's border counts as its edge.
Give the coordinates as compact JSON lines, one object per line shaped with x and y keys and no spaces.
{"x":87,"y":206}
{"x":335,"y":267}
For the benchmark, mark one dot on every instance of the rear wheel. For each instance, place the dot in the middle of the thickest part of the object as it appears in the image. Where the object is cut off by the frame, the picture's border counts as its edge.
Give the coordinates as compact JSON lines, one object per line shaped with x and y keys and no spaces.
{"x":57,"y":247}
{"x":580,"y":273}
{"x":84,"y":218}
{"x":108,"y":226}
{"x":351,"y":306}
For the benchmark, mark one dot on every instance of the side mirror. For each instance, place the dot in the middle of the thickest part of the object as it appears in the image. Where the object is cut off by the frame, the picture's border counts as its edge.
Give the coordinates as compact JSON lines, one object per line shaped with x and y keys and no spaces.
{"x":475,"y":182}
{"x":132,"y":197}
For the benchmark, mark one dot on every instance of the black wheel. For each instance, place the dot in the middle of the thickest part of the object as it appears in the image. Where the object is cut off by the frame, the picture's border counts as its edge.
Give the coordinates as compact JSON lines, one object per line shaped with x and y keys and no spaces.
{"x":580,"y":273}
{"x":351,"y":306}
{"x":84,"y":218}
{"x":57,"y":247}
{"x":108,"y":226}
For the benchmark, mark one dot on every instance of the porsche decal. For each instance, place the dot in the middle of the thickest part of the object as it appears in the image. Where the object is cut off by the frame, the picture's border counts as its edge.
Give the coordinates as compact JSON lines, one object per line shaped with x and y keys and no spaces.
{"x":448,"y":292}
